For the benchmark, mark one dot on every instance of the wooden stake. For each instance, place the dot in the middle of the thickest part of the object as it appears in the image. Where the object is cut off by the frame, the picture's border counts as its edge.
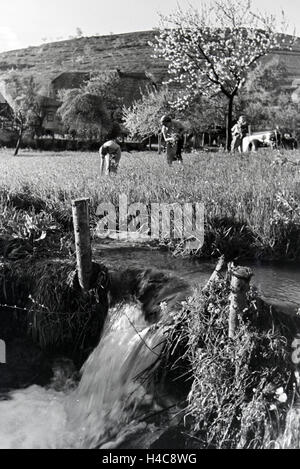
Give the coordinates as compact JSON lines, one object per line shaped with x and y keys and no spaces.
{"x":2,"y":352}
{"x":240,"y":282}
{"x":81,"y":222}
{"x":215,"y":275}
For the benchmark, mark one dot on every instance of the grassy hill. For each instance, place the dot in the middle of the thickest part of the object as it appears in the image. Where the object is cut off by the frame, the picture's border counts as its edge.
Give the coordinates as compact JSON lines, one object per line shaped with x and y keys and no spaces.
{"x":127,"y":52}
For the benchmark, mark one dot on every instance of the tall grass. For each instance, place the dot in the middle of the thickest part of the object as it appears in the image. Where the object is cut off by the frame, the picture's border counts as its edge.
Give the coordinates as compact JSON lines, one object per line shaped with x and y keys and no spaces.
{"x":251,"y":202}
{"x":252,"y":210}
{"x":242,"y":391}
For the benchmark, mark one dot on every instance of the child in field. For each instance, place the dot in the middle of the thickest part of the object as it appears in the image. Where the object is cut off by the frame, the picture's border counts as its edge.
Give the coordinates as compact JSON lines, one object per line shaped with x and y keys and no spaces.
{"x":173,"y":133}
{"x":110,"y":155}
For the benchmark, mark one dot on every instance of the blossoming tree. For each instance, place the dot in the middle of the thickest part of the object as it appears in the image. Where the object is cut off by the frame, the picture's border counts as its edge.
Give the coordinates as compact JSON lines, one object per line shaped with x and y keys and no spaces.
{"x":142,"y":118}
{"x":211,"y":49}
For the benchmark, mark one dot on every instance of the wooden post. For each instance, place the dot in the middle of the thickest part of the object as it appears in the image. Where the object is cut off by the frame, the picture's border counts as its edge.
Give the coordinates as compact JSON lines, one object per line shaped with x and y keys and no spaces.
{"x":240,"y":281}
{"x":2,"y":352}
{"x":81,"y":222}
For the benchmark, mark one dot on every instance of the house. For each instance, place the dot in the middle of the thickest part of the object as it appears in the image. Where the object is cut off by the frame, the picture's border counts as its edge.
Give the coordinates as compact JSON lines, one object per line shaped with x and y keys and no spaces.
{"x":132,"y":85}
{"x":64,"y":81}
{"x":68,"y":81}
{"x":51,"y":122}
{"x":6,"y":111}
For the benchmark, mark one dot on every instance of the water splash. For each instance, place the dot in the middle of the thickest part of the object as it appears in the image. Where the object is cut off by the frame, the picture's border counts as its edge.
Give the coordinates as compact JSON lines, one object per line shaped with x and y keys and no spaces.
{"x":110,"y":396}
{"x":109,"y":402}
{"x":34,"y":418}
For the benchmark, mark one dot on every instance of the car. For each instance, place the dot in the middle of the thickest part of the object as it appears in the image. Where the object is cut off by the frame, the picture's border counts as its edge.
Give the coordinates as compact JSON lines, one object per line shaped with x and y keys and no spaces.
{"x":269,"y":139}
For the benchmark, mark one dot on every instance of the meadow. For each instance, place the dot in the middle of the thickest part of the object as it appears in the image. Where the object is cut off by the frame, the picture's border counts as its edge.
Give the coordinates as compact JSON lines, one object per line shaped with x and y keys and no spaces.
{"x":251,"y":200}
{"x":252,"y":204}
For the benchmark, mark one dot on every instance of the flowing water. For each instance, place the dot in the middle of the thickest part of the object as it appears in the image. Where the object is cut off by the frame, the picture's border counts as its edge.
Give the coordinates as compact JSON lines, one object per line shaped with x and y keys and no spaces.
{"x":107,"y":406}
{"x":109,"y":403}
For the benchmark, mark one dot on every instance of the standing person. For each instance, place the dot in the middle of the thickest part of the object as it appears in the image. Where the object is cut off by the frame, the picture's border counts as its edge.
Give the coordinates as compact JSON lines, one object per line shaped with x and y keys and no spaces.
{"x":173,"y":133}
{"x":110,"y":155}
{"x":239,"y":131}
{"x":277,"y":138}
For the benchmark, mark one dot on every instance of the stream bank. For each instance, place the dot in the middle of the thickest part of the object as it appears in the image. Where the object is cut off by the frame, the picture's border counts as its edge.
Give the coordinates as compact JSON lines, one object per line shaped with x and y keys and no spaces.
{"x":145,"y":308}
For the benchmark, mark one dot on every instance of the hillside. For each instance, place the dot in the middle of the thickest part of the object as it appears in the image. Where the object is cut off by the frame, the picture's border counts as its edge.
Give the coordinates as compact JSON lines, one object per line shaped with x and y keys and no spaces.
{"x":129,"y":52}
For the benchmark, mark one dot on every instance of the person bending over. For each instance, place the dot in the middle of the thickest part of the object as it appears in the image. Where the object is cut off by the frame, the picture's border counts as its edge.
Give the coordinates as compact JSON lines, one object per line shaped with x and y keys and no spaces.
{"x":110,"y":155}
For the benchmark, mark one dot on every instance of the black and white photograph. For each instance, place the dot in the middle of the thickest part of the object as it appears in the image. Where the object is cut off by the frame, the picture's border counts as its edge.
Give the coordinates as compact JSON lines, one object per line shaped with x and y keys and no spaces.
{"x":149,"y":227}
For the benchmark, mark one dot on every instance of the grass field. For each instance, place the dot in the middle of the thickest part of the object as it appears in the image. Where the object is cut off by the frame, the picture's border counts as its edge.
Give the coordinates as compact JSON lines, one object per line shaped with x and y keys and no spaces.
{"x":251,"y":201}
{"x":252,"y":205}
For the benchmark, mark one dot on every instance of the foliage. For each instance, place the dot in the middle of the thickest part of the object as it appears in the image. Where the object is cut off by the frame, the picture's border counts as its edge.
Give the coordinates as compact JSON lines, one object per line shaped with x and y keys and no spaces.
{"x":204,"y":114}
{"x":105,"y":85}
{"x":94,"y":110}
{"x":234,"y":398}
{"x":142,"y":118}
{"x":28,"y":106}
{"x":85,"y":113}
{"x":261,"y":100}
{"x":58,"y":314}
{"x":211,"y":50}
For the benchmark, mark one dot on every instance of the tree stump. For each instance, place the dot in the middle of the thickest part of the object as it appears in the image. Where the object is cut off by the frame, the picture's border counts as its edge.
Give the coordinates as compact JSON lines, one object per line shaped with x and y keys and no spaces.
{"x":239,"y":286}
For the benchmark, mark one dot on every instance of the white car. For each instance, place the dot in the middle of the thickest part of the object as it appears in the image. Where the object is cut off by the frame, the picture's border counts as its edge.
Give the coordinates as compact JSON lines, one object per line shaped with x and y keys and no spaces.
{"x":269,"y":139}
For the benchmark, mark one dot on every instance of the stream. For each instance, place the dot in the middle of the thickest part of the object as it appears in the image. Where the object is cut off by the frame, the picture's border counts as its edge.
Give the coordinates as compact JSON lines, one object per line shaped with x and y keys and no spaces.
{"x":277,"y":283}
{"x":108,"y":405}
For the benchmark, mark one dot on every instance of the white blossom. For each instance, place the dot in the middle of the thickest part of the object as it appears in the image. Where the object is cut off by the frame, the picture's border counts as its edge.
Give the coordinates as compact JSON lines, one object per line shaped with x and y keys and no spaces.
{"x":212,"y":49}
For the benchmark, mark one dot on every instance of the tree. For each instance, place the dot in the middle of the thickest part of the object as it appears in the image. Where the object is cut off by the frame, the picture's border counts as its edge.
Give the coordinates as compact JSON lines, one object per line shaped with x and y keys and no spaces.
{"x":211,"y":50}
{"x":95,"y":108}
{"x":205,"y":113}
{"x":105,"y":85}
{"x":28,"y":106}
{"x":262,"y":100}
{"x":142,"y":118}
{"x":85,"y":113}
{"x":79,"y":32}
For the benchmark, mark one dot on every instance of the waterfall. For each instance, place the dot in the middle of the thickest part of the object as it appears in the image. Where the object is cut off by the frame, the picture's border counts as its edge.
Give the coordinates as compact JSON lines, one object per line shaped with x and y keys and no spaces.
{"x":109,"y":402}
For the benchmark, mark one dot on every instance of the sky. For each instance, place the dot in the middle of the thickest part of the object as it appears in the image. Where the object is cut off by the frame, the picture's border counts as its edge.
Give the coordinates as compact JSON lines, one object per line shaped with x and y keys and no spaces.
{"x":26,"y":23}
